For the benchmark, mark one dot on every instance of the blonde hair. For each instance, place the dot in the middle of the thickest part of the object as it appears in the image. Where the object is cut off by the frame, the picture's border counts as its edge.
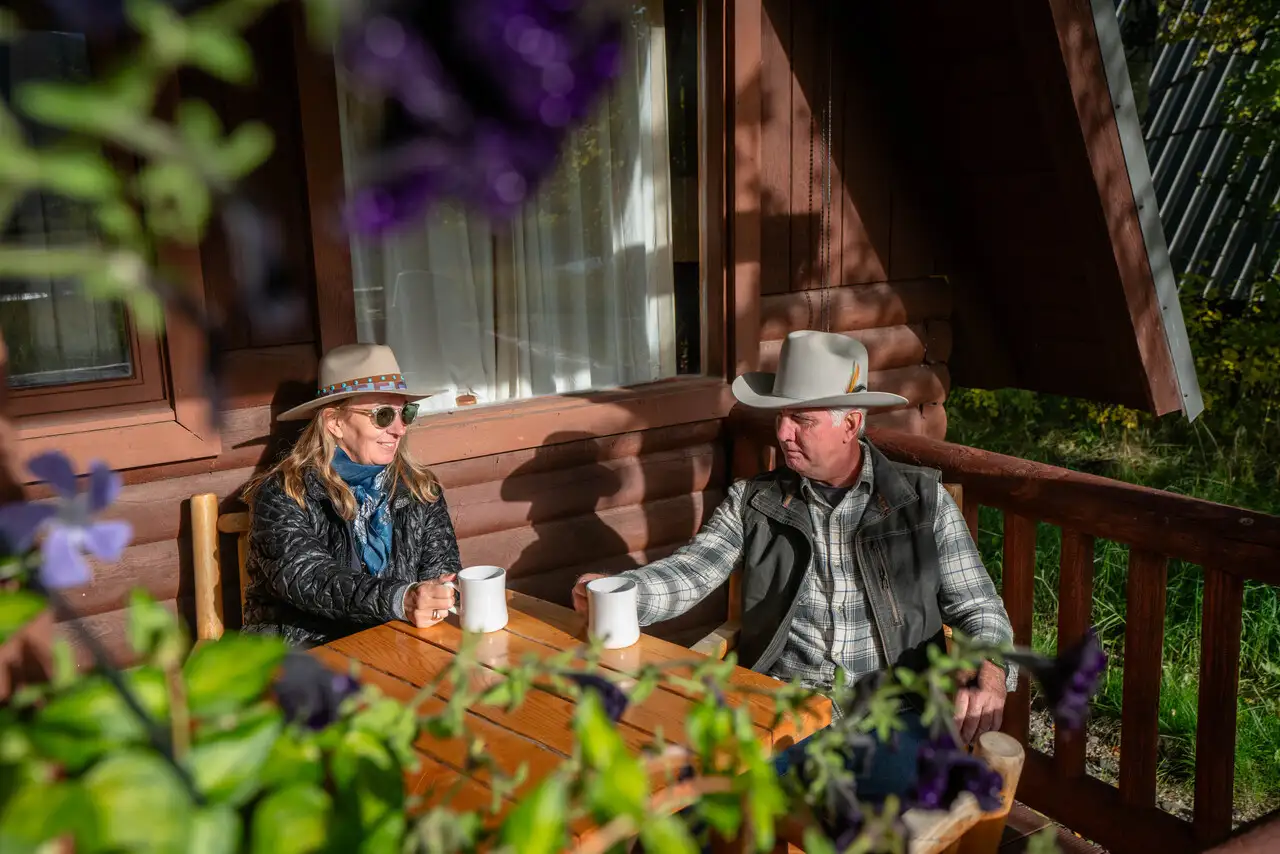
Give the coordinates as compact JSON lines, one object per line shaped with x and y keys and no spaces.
{"x":314,"y":451}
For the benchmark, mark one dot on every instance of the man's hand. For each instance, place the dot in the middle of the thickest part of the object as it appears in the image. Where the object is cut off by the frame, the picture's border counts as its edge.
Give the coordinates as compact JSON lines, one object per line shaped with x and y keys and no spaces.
{"x":981,"y":709}
{"x":580,"y":590}
{"x":428,"y":602}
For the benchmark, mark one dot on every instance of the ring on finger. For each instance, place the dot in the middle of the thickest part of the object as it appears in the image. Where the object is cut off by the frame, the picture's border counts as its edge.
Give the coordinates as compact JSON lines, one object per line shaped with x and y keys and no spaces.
{"x":435,"y":615}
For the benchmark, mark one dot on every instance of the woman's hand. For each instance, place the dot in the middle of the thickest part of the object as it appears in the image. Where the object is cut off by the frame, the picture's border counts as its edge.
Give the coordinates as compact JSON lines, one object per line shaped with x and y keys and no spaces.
{"x":428,"y":602}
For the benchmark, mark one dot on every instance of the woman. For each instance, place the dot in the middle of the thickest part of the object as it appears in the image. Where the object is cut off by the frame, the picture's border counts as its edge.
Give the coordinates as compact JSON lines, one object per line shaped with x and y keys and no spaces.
{"x":348,"y":532}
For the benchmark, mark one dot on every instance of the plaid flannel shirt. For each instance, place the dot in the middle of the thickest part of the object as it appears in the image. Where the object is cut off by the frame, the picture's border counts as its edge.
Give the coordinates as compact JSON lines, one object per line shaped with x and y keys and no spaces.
{"x":832,"y":625}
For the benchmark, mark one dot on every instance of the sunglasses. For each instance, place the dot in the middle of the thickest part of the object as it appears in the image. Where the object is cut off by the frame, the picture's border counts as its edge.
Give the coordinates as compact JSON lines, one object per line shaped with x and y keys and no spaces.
{"x":384,"y":416}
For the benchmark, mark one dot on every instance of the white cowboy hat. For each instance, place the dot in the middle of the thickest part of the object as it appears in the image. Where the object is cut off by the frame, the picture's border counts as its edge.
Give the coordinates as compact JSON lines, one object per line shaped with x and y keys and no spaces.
{"x":352,"y":370}
{"x":816,"y":370}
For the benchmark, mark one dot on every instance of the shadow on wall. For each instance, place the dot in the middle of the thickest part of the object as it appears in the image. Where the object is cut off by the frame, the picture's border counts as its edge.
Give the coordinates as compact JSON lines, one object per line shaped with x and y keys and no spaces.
{"x":623,"y":509}
{"x":277,"y":443}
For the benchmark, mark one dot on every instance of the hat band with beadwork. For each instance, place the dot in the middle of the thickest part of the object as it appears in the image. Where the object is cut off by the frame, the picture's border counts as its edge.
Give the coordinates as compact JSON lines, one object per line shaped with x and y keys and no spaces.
{"x":381,"y":382}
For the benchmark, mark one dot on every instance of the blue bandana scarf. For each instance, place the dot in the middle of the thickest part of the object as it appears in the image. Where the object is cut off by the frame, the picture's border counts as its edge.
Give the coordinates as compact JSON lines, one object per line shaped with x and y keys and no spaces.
{"x":373,"y":511}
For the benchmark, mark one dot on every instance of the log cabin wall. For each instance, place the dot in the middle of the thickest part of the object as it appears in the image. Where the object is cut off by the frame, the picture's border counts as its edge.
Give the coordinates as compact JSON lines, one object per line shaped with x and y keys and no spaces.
{"x":856,"y":252}
{"x":645,"y":468}
{"x":548,"y":488}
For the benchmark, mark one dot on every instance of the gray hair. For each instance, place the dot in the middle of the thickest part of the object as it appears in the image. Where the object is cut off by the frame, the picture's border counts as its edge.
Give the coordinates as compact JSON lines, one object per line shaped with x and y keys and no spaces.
{"x":841,"y":413}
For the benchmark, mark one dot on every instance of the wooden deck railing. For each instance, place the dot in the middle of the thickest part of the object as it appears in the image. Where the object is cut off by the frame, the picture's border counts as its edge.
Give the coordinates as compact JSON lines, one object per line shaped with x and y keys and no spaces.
{"x":1231,"y":545}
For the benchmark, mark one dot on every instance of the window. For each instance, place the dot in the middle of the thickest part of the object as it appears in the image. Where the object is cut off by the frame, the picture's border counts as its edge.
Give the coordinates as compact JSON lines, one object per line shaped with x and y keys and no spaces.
{"x":594,"y":285}
{"x":57,"y":340}
{"x":81,"y":378}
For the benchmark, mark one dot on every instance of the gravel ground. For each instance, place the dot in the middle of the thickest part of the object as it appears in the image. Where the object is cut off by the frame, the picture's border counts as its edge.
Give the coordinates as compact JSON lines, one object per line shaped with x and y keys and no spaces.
{"x":1102,"y":758}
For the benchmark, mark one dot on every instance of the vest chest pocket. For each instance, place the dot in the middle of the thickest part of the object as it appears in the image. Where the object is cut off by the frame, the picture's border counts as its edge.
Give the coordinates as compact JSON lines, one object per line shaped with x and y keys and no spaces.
{"x":880,"y":570}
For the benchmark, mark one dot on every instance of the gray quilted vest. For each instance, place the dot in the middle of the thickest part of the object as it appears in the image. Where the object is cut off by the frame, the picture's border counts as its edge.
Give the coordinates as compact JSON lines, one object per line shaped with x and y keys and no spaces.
{"x":895,"y":549}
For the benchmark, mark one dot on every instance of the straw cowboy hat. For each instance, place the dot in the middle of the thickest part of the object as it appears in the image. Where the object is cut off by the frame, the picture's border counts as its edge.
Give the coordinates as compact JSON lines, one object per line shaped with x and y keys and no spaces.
{"x":816,"y":370}
{"x":355,"y":369}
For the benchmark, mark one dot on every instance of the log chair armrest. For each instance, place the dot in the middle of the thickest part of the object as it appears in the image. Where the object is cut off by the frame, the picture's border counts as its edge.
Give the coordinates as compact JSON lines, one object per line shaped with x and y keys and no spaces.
{"x":719,"y":643}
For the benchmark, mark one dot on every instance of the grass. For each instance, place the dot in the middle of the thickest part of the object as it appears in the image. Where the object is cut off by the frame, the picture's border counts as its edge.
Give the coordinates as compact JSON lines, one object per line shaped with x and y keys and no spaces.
{"x":1177,"y":458}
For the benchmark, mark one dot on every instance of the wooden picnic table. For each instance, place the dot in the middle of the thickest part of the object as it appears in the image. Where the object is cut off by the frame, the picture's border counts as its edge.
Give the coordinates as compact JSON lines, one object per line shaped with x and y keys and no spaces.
{"x":399,"y":659}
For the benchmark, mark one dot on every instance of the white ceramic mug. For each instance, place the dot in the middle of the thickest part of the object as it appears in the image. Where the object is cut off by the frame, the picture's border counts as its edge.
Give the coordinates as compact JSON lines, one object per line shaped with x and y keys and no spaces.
{"x":611,"y":612}
{"x":482,"y":592}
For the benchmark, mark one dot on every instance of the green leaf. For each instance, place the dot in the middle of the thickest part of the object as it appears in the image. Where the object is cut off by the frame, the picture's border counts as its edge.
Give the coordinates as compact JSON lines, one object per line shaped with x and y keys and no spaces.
{"x":622,"y":788}
{"x":226,"y":764}
{"x":215,"y":830}
{"x":1044,"y":841}
{"x":708,"y":725}
{"x":324,"y":21}
{"x":600,"y":741}
{"x":294,"y":758}
{"x":394,"y":724}
{"x":154,"y":632}
{"x":78,"y":174}
{"x":91,"y":719}
{"x":141,"y":804}
{"x":231,"y":672}
{"x":42,"y":811}
{"x":222,"y":53}
{"x":370,"y":787}
{"x":64,"y":105}
{"x":118,"y":220}
{"x":293,"y":820}
{"x":722,"y":812}
{"x":247,"y":148}
{"x":199,"y":124}
{"x":667,"y":834}
{"x":17,"y":608}
{"x":816,"y":842}
{"x":538,"y":824}
{"x":177,"y":200}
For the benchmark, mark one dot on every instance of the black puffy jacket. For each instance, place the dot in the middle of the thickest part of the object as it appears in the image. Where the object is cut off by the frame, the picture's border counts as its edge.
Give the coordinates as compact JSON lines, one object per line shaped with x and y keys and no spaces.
{"x":306,"y":579}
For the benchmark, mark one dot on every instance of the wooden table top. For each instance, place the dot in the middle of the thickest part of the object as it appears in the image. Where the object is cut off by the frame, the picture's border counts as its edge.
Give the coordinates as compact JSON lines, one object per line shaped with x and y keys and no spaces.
{"x":399,"y":659}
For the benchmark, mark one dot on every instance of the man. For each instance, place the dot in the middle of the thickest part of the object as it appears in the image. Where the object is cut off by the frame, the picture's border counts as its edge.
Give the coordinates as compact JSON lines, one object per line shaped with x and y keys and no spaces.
{"x":849,"y":559}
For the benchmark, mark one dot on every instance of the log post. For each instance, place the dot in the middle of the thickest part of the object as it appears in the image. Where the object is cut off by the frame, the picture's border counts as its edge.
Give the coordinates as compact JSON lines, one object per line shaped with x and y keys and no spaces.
{"x":208,"y":575}
{"x":1006,"y":757}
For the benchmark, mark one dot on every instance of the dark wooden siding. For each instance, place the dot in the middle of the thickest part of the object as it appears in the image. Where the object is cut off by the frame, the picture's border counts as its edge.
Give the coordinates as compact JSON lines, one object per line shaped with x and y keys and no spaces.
{"x":863,"y":262}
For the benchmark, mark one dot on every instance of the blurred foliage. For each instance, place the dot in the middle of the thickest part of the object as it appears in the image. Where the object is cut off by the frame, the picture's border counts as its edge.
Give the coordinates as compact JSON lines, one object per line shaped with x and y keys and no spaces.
{"x":1245,"y":30}
{"x":186,"y":160}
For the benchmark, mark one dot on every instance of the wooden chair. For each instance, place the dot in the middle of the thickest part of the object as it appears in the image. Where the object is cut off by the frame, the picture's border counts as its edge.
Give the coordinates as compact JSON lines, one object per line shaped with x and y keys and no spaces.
{"x":720,"y":642}
{"x":207,"y":526}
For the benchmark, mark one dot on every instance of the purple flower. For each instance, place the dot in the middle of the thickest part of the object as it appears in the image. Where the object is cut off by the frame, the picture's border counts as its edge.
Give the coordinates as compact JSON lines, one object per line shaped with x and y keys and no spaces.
{"x":1069,"y":681}
{"x":66,"y":523}
{"x":945,"y":770}
{"x":613,"y":698}
{"x":486,"y":89}
{"x":309,"y":693}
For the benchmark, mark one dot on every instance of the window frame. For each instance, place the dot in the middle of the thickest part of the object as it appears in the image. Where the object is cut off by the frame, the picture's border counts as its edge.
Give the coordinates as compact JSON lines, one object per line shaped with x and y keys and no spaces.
{"x":173,"y":424}
{"x":176,"y":427}
{"x":146,"y":385}
{"x":525,"y":423}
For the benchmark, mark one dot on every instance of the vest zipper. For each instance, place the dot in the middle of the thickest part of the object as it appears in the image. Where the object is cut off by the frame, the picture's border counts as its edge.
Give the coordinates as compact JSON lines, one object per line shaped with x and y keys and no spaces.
{"x":862,"y":566}
{"x":888,"y":591}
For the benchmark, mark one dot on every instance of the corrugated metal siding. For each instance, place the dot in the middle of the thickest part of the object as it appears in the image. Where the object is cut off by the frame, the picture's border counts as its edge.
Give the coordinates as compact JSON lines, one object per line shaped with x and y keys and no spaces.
{"x":1217,"y":203}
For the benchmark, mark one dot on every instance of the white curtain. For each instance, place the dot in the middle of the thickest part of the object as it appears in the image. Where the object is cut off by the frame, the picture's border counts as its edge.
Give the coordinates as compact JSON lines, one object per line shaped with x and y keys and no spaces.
{"x":575,"y":293}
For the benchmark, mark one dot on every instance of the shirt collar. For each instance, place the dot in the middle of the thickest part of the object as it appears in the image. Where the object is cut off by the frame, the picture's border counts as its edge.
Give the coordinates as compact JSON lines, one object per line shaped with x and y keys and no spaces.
{"x":866,"y":479}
